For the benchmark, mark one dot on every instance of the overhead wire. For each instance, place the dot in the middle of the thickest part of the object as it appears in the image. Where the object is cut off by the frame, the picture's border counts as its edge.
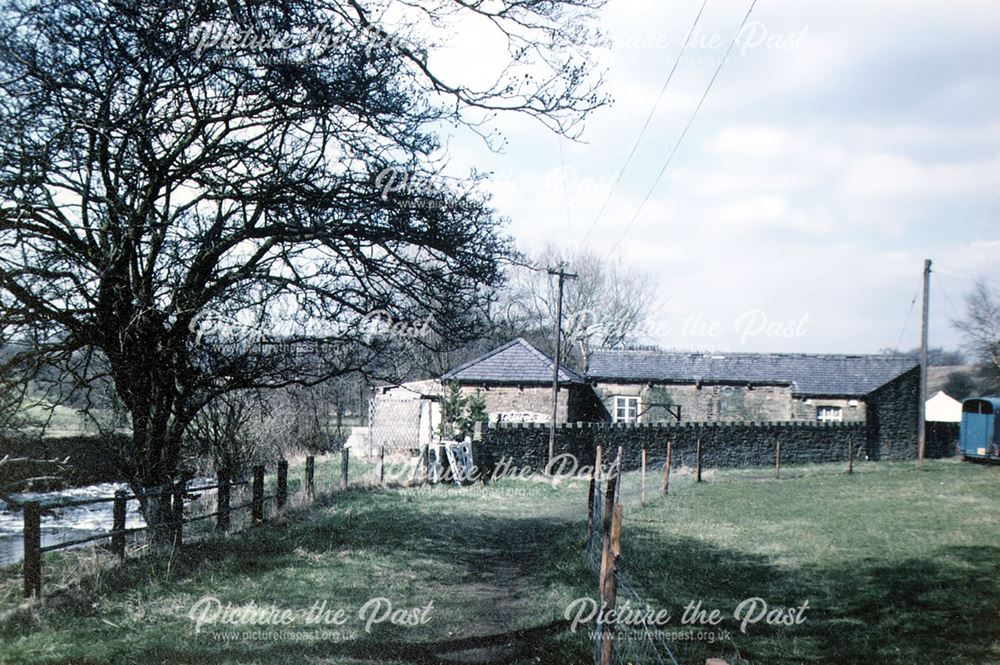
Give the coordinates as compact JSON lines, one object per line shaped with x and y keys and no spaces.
{"x":906,"y":321}
{"x":687,"y":127}
{"x":646,"y":123}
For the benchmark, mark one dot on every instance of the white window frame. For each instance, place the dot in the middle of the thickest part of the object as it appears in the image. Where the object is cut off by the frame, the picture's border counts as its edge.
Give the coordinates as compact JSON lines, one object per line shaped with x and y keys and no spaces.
{"x":630,"y":411}
{"x":829,"y":413}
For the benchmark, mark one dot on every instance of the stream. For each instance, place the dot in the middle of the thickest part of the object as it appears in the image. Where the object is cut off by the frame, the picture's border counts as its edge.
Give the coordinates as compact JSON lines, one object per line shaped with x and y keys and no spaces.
{"x":66,"y":523}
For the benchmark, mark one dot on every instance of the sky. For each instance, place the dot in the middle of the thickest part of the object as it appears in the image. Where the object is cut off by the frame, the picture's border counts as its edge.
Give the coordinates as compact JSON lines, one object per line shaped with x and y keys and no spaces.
{"x":841,"y":145}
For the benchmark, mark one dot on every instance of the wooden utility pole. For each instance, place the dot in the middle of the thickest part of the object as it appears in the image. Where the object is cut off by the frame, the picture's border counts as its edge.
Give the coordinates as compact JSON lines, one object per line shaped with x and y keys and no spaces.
{"x":563,"y":275}
{"x":921,"y":425}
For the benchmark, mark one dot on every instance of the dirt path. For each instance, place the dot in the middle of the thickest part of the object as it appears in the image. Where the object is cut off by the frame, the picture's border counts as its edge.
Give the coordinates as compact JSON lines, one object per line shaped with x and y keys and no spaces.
{"x":506,"y":564}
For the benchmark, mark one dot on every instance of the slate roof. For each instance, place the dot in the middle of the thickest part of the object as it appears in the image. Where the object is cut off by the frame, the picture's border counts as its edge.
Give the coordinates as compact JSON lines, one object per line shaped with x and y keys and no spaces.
{"x":516,"y":362}
{"x":807,"y":374}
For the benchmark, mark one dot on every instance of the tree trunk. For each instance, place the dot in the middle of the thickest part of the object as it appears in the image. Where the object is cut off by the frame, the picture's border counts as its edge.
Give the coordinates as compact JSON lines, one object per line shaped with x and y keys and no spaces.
{"x":157,"y":510}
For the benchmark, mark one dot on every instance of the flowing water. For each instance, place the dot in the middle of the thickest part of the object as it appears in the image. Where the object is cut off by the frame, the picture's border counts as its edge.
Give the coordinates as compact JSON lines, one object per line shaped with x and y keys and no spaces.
{"x":63,"y":523}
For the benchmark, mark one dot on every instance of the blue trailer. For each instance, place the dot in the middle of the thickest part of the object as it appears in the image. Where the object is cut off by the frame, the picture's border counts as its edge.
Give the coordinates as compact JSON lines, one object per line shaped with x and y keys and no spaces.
{"x":980,"y":435}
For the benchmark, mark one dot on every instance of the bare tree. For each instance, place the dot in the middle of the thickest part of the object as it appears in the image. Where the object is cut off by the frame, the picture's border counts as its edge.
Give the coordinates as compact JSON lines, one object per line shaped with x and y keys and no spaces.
{"x":221,"y":432}
{"x":19,"y":474}
{"x":13,"y":417}
{"x":981,"y":329}
{"x":293,"y":420}
{"x":238,"y":429}
{"x":190,"y":192}
{"x":936,"y":355}
{"x":606,"y":306}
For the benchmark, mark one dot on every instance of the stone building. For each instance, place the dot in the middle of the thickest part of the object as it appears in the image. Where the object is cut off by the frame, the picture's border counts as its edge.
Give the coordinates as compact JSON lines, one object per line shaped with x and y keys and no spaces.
{"x":639,"y":387}
{"x":515,"y":381}
{"x":662,"y":386}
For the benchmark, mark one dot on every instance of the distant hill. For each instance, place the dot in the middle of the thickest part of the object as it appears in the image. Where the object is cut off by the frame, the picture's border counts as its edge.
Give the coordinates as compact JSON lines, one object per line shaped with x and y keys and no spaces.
{"x":938,"y":376}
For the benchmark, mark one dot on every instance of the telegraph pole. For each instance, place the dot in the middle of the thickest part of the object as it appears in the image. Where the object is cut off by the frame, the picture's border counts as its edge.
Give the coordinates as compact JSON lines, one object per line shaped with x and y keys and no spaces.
{"x":921,"y":415}
{"x":563,"y":275}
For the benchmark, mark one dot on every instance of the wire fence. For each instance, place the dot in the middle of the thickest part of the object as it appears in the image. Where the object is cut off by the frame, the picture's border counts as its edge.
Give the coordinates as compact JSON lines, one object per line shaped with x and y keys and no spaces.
{"x":399,"y":426}
{"x":191,"y":513}
{"x":635,"y":643}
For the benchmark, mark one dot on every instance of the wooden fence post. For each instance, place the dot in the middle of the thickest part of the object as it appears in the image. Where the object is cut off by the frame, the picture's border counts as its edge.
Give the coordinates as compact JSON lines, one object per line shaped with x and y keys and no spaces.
{"x":281,"y":495}
{"x":666,"y":469}
{"x":642,"y":497}
{"x":345,"y":456}
{"x":118,"y":524}
{"x":381,"y":465}
{"x":610,"y":499}
{"x":178,"y":513}
{"x":310,"y":477}
{"x":609,"y":559}
{"x":850,"y":454}
{"x":425,"y":464}
{"x":592,"y":495}
{"x":257,"y":502}
{"x":697,"y":460}
{"x":611,"y":582}
{"x":777,"y":459}
{"x":32,"y":564}
{"x":222,"y":502}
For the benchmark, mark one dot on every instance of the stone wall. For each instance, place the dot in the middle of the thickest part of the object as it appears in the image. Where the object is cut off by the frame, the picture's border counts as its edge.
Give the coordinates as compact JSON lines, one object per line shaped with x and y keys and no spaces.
{"x":805,"y":408}
{"x":725,"y":403}
{"x":511,"y":401}
{"x":892,"y":418}
{"x":585,"y":406}
{"x":576,"y":402}
{"x":942,"y":440}
{"x":702,"y":403}
{"x":722,"y":444}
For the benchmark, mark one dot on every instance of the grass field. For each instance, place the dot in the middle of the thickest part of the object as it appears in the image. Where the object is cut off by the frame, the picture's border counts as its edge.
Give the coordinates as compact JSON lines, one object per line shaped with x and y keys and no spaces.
{"x":57,"y":420}
{"x":898,"y":565}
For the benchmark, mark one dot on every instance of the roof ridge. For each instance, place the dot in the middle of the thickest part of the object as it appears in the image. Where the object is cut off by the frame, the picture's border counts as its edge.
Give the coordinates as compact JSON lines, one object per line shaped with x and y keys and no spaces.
{"x":565,"y":373}
{"x":758,"y":354}
{"x":538,"y":353}
{"x":570,"y":374}
{"x":485,"y":356}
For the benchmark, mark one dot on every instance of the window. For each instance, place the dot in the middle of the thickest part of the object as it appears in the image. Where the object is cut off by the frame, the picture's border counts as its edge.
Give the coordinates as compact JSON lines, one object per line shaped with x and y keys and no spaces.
{"x":829,"y":414}
{"x":626,"y":409}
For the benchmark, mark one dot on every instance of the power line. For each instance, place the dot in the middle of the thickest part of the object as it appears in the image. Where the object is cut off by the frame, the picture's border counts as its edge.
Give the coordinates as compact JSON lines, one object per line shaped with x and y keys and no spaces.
{"x":645,"y":125}
{"x":946,"y":290}
{"x":562,"y":165}
{"x":906,"y":322}
{"x":968,"y":276}
{"x":690,"y":122}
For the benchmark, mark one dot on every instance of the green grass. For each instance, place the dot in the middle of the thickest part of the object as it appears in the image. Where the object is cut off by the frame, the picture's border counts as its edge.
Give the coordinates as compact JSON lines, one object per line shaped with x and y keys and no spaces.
{"x":58,"y":420}
{"x":898,"y":565}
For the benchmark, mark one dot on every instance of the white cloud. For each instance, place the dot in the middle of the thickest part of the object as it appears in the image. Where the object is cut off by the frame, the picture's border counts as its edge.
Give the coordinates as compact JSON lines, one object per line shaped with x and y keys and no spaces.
{"x":814,"y":181}
{"x":895,"y":176}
